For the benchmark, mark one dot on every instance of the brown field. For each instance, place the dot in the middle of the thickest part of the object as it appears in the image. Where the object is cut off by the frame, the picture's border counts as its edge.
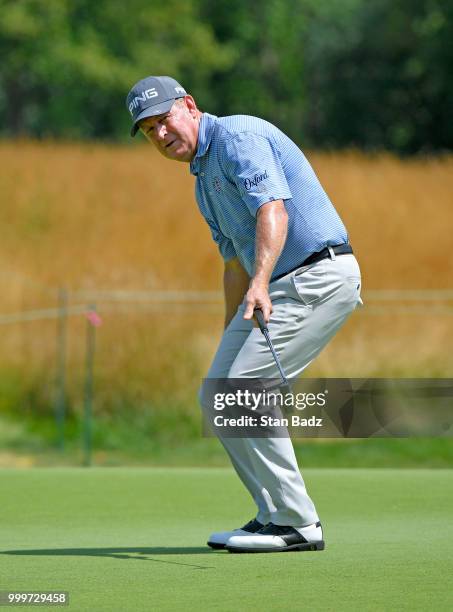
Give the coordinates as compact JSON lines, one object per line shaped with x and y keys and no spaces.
{"x":122,"y":218}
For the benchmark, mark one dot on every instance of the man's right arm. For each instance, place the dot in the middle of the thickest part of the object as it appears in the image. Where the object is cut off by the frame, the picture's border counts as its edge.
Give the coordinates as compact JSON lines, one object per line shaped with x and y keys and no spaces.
{"x":235,"y":284}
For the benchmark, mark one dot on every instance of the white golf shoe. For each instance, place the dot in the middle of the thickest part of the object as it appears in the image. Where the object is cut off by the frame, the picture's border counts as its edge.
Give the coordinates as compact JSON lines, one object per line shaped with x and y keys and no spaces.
{"x":278,"y":538}
{"x":219,"y":539}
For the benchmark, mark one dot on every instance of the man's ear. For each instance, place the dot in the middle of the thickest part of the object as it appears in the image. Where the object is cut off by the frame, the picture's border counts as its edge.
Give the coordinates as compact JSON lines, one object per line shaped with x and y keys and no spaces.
{"x":191,"y":105}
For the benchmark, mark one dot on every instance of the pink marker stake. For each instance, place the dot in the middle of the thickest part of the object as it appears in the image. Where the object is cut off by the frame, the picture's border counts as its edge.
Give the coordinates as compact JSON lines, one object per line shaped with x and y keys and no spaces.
{"x":93,"y":317}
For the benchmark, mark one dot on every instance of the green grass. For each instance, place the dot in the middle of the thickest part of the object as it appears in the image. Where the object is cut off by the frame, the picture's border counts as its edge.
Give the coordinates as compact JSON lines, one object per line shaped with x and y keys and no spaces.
{"x":133,"y":539}
{"x":34,"y":441}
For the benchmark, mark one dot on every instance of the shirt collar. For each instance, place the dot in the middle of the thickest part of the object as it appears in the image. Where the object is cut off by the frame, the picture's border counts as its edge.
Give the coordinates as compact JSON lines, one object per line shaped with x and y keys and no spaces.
{"x":205,"y":131}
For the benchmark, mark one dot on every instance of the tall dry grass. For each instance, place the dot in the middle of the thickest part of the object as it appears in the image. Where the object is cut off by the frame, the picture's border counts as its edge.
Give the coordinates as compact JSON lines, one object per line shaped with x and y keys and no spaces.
{"x":120,"y":216}
{"x":109,"y":217}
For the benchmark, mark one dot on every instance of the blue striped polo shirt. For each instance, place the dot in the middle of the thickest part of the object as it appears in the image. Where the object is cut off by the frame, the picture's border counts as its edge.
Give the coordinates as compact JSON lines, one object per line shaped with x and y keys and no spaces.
{"x":243,"y":162}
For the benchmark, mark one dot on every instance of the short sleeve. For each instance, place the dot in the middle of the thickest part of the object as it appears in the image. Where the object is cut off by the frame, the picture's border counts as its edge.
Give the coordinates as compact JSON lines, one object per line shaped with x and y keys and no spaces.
{"x":252,"y":162}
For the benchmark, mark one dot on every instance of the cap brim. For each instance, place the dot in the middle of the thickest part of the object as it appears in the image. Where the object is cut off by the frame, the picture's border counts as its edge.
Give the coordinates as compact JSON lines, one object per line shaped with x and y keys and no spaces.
{"x":152,"y":111}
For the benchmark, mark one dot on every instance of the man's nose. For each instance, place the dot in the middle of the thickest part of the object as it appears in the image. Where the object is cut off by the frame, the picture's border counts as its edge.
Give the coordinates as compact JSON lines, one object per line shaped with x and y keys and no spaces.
{"x":160,"y":131}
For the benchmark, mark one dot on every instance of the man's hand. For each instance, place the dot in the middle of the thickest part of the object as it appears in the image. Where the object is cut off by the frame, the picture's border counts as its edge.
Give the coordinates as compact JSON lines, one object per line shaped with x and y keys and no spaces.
{"x":271,"y":228}
{"x":258,"y":297}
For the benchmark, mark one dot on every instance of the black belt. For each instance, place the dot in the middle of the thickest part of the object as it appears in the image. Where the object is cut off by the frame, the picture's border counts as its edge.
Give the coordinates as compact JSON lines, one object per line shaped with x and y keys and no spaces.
{"x":339,"y":249}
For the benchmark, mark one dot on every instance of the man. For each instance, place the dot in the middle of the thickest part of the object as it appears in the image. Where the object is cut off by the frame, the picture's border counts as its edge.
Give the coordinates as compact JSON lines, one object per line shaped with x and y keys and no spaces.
{"x":287,"y":253}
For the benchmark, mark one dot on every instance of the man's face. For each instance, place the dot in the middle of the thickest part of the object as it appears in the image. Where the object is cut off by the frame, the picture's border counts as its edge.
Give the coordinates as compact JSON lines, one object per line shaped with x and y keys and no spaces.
{"x":174,"y":134}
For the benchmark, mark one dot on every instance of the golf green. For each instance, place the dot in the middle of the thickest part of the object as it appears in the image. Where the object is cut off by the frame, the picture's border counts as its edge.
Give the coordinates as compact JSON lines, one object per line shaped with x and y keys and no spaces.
{"x":134,"y":539}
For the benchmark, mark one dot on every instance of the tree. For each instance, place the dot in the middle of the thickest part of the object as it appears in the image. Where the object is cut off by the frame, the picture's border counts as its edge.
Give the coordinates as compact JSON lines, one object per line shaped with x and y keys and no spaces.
{"x":339,"y":73}
{"x":69,"y":64}
{"x":386,"y":85}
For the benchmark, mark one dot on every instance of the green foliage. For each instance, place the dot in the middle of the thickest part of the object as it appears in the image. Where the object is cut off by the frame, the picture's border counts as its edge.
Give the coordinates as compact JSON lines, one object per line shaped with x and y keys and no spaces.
{"x":338,"y":73}
{"x":388,"y":79}
{"x":70,"y":64}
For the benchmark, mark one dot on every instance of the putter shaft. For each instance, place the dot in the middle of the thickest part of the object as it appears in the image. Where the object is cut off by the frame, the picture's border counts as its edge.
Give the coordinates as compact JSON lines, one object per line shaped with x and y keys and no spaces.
{"x":265,"y":331}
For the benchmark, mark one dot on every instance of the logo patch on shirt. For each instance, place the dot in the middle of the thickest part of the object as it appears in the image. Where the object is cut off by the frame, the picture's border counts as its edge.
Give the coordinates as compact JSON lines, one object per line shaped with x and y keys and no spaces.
{"x":217,"y":184}
{"x":255,"y":181}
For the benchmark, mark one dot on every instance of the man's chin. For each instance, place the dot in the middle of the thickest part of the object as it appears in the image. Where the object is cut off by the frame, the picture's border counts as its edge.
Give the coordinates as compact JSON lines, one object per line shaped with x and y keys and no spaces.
{"x":180,"y":154}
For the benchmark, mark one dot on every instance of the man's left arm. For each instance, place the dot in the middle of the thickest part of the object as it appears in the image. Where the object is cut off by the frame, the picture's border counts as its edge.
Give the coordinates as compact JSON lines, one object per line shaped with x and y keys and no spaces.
{"x":271,"y":229}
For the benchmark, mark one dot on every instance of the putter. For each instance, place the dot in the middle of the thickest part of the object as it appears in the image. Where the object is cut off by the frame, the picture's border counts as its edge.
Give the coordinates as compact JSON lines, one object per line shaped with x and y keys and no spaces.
{"x":265,"y":331}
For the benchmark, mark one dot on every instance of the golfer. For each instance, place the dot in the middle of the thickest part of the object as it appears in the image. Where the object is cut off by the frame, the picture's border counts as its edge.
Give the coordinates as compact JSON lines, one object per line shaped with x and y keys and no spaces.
{"x":286,"y":251}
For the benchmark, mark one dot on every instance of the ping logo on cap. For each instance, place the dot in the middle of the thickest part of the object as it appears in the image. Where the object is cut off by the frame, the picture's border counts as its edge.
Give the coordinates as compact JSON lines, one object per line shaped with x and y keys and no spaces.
{"x":146,"y":95}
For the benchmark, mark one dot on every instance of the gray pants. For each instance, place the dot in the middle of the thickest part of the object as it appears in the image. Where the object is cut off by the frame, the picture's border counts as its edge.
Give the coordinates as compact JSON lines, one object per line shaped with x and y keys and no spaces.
{"x":309,"y":306}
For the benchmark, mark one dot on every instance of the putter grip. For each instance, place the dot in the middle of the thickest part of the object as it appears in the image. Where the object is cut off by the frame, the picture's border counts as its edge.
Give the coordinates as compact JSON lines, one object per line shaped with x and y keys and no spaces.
{"x":260,"y":318}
